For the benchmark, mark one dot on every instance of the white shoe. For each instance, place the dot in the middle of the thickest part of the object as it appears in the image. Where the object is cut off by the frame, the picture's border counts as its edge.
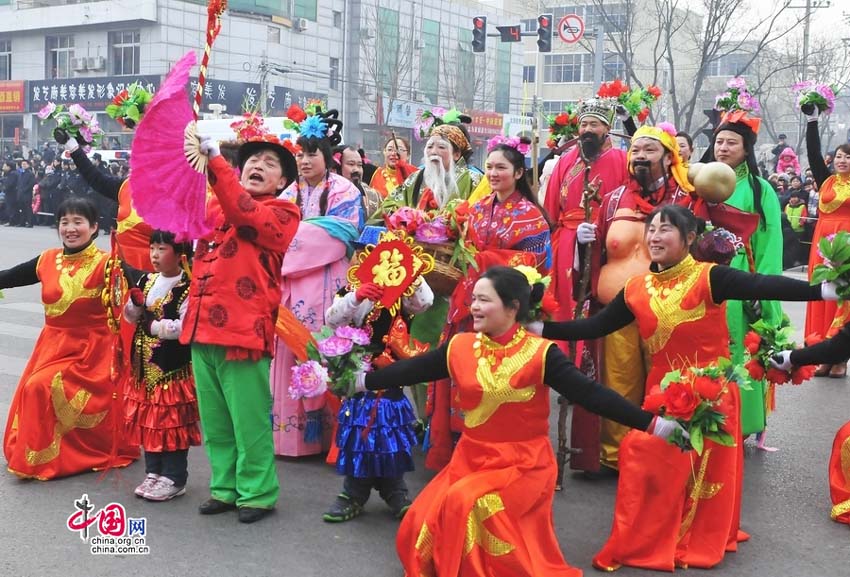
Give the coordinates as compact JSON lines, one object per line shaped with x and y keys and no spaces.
{"x":147,"y":484}
{"x":164,"y":490}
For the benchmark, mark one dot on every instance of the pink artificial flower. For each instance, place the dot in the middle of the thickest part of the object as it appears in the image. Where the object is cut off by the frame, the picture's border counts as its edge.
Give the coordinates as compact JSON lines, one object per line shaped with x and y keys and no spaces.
{"x":737,"y":82}
{"x":355,"y":335}
{"x":86,"y":133}
{"x":78,"y":114}
{"x":406,"y":218}
{"x":309,"y":379}
{"x":45,"y":112}
{"x":434,"y":232}
{"x":335,"y":346}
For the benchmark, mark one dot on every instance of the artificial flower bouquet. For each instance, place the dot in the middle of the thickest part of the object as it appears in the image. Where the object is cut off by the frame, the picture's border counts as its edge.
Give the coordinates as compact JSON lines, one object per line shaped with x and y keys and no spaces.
{"x":717,"y":245}
{"x":763,"y":342}
{"x":75,"y":121}
{"x":128,"y":105}
{"x":817,"y":94}
{"x":694,"y":396}
{"x":834,"y":249}
{"x":737,"y":97}
{"x":333,"y":363}
{"x":562,"y":126}
{"x":446,"y":226}
{"x":637,"y":102}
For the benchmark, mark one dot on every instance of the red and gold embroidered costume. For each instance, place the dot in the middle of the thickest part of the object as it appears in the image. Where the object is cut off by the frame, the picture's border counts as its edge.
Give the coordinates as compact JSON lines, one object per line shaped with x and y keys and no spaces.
{"x":66,"y":415}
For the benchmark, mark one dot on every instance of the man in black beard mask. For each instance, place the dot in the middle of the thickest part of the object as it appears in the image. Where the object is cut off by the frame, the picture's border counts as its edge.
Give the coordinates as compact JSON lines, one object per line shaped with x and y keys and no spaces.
{"x":658,"y":176}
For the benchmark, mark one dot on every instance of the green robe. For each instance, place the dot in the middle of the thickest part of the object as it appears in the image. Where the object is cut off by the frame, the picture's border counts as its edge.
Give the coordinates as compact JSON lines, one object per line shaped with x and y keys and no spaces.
{"x":766,"y":245}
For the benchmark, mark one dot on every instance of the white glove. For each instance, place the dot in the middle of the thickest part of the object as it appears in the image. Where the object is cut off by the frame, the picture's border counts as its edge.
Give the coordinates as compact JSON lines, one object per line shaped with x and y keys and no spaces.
{"x":72,"y":144}
{"x":664,"y":428}
{"x":810,"y":111}
{"x":360,"y":382}
{"x":209,"y":146}
{"x":622,"y":114}
{"x":829,"y":291}
{"x":586,"y":233}
{"x":535,"y":327}
{"x":781,"y":361}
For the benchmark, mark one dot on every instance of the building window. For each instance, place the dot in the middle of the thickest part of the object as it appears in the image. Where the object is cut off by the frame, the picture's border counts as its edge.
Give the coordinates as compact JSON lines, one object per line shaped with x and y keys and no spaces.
{"x":306,"y":9}
{"x":5,"y":59}
{"x":729,"y":65}
{"x":125,"y":49}
{"x":273,"y":34}
{"x":555,"y":107}
{"x":564,"y":68}
{"x":612,"y":15}
{"x":529,"y":74}
{"x":387,"y":46}
{"x":333,"y":83}
{"x":613,"y":67}
{"x":60,"y":51}
{"x":429,"y":60}
{"x":466,"y":74}
{"x":529,"y":25}
{"x":337,"y":19}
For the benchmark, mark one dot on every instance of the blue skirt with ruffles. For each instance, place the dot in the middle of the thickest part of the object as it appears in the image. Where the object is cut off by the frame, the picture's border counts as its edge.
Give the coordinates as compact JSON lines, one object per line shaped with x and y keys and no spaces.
{"x":376,"y":435}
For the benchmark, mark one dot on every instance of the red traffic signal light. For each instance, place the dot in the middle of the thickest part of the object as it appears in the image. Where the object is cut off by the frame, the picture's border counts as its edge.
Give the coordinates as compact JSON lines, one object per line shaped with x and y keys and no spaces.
{"x":544,"y":33}
{"x":479,"y":33}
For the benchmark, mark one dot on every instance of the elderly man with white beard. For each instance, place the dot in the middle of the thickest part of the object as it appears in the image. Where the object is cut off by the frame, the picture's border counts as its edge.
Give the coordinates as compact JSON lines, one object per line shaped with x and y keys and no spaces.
{"x":445,"y":175}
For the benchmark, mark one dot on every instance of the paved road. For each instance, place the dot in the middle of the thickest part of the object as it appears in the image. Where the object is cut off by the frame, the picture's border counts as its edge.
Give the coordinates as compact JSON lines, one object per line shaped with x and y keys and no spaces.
{"x":786,"y":499}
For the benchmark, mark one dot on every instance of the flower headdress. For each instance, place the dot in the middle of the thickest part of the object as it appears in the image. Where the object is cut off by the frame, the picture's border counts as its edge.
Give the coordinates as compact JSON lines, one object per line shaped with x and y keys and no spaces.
{"x":521,"y":145}
{"x":737,"y":97}
{"x":251,"y":128}
{"x":428,"y":120}
{"x":311,"y":122}
{"x":562,"y":126}
{"x":75,"y":121}
{"x":636,"y":101}
{"x":818,"y":94}
{"x":543,"y":304}
{"x":128,"y":105}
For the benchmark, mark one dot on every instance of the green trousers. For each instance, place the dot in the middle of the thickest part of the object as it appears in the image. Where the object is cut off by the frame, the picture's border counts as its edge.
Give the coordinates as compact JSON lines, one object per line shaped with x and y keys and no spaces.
{"x":235,"y":401}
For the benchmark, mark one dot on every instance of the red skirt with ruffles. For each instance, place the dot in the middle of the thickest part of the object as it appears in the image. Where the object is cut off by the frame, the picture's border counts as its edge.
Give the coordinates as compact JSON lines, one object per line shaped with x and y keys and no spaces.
{"x":166,"y":419}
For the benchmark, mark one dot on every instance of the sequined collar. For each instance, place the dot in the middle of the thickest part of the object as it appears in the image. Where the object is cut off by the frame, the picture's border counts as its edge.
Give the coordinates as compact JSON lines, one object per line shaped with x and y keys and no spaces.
{"x":674,"y":271}
{"x":742,"y":170}
{"x":89,"y":251}
{"x":489,"y":344}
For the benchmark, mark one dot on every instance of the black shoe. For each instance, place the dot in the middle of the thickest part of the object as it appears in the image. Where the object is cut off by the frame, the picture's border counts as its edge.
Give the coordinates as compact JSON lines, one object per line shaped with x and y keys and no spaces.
{"x":344,"y":509}
{"x":398,"y":503}
{"x":603,"y":473}
{"x":214,"y":507}
{"x":252,"y":514}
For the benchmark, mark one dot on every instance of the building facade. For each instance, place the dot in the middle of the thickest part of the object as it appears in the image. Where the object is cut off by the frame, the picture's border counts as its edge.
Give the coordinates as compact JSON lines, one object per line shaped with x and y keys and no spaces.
{"x":380,"y":62}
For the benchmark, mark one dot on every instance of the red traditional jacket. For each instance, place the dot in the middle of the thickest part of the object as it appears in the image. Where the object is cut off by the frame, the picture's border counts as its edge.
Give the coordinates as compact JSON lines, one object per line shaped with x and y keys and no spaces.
{"x":235,"y":290}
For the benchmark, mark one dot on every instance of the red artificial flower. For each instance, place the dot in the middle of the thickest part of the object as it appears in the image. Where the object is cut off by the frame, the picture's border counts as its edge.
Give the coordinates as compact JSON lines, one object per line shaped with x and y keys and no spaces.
{"x":653,"y":403}
{"x":612,"y":89}
{"x":708,"y":388}
{"x":549,"y":304}
{"x":643,"y":114}
{"x":291,"y":147}
{"x":562,"y":119}
{"x":755,"y":369}
{"x":296,"y":114}
{"x":120,"y":97}
{"x":777,"y":377}
{"x":654,"y":90}
{"x":551,"y":143}
{"x":752,"y":342}
{"x":802,"y":374}
{"x":680,"y":400}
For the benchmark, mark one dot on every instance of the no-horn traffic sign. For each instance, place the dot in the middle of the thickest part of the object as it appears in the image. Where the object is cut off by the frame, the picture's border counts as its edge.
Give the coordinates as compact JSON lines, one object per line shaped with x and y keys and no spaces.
{"x":571,"y":28}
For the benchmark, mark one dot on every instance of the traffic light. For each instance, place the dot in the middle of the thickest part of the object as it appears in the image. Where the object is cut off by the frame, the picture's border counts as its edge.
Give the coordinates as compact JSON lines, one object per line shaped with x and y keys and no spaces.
{"x":544,"y":33}
{"x":479,"y":33}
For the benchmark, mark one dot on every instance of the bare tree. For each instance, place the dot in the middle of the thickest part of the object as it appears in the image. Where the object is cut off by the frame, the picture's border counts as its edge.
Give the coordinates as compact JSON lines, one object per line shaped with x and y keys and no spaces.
{"x":702,"y":39}
{"x":387,"y":58}
{"x":463,"y":81}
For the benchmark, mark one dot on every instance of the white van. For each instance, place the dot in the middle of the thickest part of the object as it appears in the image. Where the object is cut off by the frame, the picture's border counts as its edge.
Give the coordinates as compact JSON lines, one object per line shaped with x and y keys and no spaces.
{"x":219,"y":128}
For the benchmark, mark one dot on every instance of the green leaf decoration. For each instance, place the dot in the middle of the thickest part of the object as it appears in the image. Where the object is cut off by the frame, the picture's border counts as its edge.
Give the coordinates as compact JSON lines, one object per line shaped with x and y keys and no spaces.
{"x":697,"y":441}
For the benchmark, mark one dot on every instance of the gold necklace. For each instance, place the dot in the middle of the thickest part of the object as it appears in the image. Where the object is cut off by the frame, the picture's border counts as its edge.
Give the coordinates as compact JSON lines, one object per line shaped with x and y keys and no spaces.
{"x":487,"y":350}
{"x":69,"y":264}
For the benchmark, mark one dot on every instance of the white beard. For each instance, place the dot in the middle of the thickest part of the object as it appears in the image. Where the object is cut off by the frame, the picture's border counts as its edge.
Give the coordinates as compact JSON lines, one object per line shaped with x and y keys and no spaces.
{"x":442,"y":182}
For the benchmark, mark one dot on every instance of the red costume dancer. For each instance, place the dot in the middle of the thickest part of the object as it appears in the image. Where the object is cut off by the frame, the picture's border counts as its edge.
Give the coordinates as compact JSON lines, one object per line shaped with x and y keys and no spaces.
{"x":65,"y":417}
{"x":825,"y":318}
{"x":831,"y":352}
{"x":678,"y":509}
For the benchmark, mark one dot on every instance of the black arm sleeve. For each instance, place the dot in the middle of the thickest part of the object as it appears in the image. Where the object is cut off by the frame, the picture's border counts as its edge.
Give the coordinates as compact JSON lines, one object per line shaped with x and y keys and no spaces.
{"x":732,"y":284}
{"x":564,"y":377}
{"x":614,"y":316}
{"x":23,"y":274}
{"x":816,"y":163}
{"x":103,"y":184}
{"x":431,"y":366}
{"x":830,"y":352}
